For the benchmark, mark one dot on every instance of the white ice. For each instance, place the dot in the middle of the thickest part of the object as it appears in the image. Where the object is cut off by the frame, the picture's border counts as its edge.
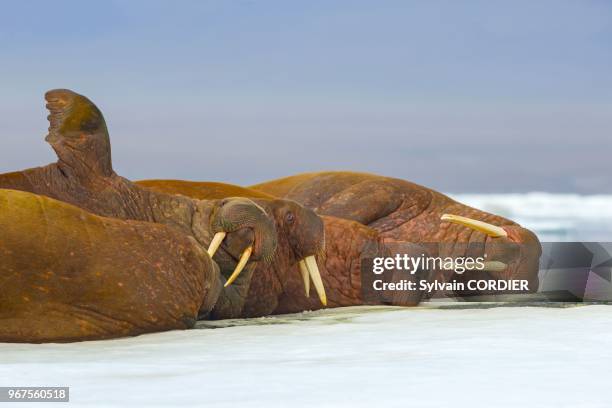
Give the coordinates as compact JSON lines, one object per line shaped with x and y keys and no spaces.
{"x":358,"y":357}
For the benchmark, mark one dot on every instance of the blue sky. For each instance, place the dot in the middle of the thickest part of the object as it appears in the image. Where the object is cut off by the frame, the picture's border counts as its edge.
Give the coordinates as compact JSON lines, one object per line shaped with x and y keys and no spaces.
{"x":475,"y":96}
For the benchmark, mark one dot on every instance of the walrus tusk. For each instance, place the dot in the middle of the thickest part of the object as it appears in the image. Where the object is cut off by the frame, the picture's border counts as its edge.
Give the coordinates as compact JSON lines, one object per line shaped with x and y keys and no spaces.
{"x":315,"y":275}
{"x":488,"y":266}
{"x":215,"y":243}
{"x":244,"y":258}
{"x":305,"y":277}
{"x":494,"y":266}
{"x":489,"y":229}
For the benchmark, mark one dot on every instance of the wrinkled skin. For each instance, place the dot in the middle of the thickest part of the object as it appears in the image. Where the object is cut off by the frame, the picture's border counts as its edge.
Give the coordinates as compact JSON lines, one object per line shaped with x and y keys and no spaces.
{"x":300,"y":235}
{"x":367,"y":215}
{"x":363,"y":215}
{"x":279,"y":287}
{"x":401,"y":211}
{"x":83,"y":177}
{"x":69,"y":275}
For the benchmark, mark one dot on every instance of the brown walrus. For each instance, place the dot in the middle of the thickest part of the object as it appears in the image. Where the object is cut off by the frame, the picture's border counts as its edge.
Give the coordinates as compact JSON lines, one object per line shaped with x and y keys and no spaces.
{"x":281,"y":287}
{"x":83,"y":177}
{"x":368,"y":211}
{"x":300,"y":241}
{"x":69,"y":275}
{"x":401,"y":211}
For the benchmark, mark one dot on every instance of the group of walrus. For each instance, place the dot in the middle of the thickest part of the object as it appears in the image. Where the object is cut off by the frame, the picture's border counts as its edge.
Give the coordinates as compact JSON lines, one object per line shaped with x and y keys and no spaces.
{"x":87,"y":254}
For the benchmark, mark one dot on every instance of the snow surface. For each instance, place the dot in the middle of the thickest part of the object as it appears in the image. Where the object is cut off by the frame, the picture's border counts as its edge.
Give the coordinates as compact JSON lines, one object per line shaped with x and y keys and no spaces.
{"x":367,"y":356}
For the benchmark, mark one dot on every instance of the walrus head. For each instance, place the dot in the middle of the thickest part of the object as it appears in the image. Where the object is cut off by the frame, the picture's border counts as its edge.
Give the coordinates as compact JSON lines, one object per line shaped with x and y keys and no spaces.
{"x":300,"y":232}
{"x":249,"y":224}
{"x":512,"y":252}
{"x":305,"y":235}
{"x":78,"y":133}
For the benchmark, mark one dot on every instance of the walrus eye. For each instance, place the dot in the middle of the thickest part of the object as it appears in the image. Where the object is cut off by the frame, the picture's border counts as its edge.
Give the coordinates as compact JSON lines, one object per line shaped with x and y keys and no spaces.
{"x":289,"y":217}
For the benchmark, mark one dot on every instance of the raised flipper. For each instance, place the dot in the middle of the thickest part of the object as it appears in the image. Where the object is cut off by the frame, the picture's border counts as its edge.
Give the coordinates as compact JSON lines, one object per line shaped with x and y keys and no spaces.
{"x":83,"y":176}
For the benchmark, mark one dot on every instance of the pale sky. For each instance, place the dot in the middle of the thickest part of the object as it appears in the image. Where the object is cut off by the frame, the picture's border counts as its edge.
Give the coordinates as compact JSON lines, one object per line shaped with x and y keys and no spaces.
{"x":475,"y":96}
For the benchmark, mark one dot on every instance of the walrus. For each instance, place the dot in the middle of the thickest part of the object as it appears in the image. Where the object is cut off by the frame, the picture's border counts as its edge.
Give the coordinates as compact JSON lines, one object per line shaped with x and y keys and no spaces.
{"x":279,"y":288}
{"x":401,"y":211}
{"x":366,"y":211}
{"x":300,"y":242}
{"x":84,"y":177}
{"x":69,"y":275}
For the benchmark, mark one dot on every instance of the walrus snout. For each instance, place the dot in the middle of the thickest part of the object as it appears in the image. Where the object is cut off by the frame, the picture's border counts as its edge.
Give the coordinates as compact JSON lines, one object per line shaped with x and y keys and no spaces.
{"x":524,"y":264}
{"x":511,"y":251}
{"x":241,"y":217}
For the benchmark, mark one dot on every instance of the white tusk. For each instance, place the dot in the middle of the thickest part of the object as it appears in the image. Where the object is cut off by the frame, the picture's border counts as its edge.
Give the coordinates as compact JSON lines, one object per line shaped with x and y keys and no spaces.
{"x":244,"y":258}
{"x":305,"y":277}
{"x":489,"y":229}
{"x":315,"y":275}
{"x":215,"y":243}
{"x":489,"y":266}
{"x":494,"y":266}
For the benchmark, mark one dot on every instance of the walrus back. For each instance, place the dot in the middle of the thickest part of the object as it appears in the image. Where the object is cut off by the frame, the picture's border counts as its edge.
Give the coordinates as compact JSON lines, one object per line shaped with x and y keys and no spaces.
{"x":201,"y":190}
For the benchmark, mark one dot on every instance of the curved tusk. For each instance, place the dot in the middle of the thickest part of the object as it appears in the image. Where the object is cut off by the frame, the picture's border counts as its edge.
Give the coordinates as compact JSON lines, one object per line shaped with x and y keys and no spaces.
{"x":315,"y":275}
{"x":215,"y":243}
{"x":244,"y":258}
{"x":305,"y":277}
{"x":489,"y":229}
